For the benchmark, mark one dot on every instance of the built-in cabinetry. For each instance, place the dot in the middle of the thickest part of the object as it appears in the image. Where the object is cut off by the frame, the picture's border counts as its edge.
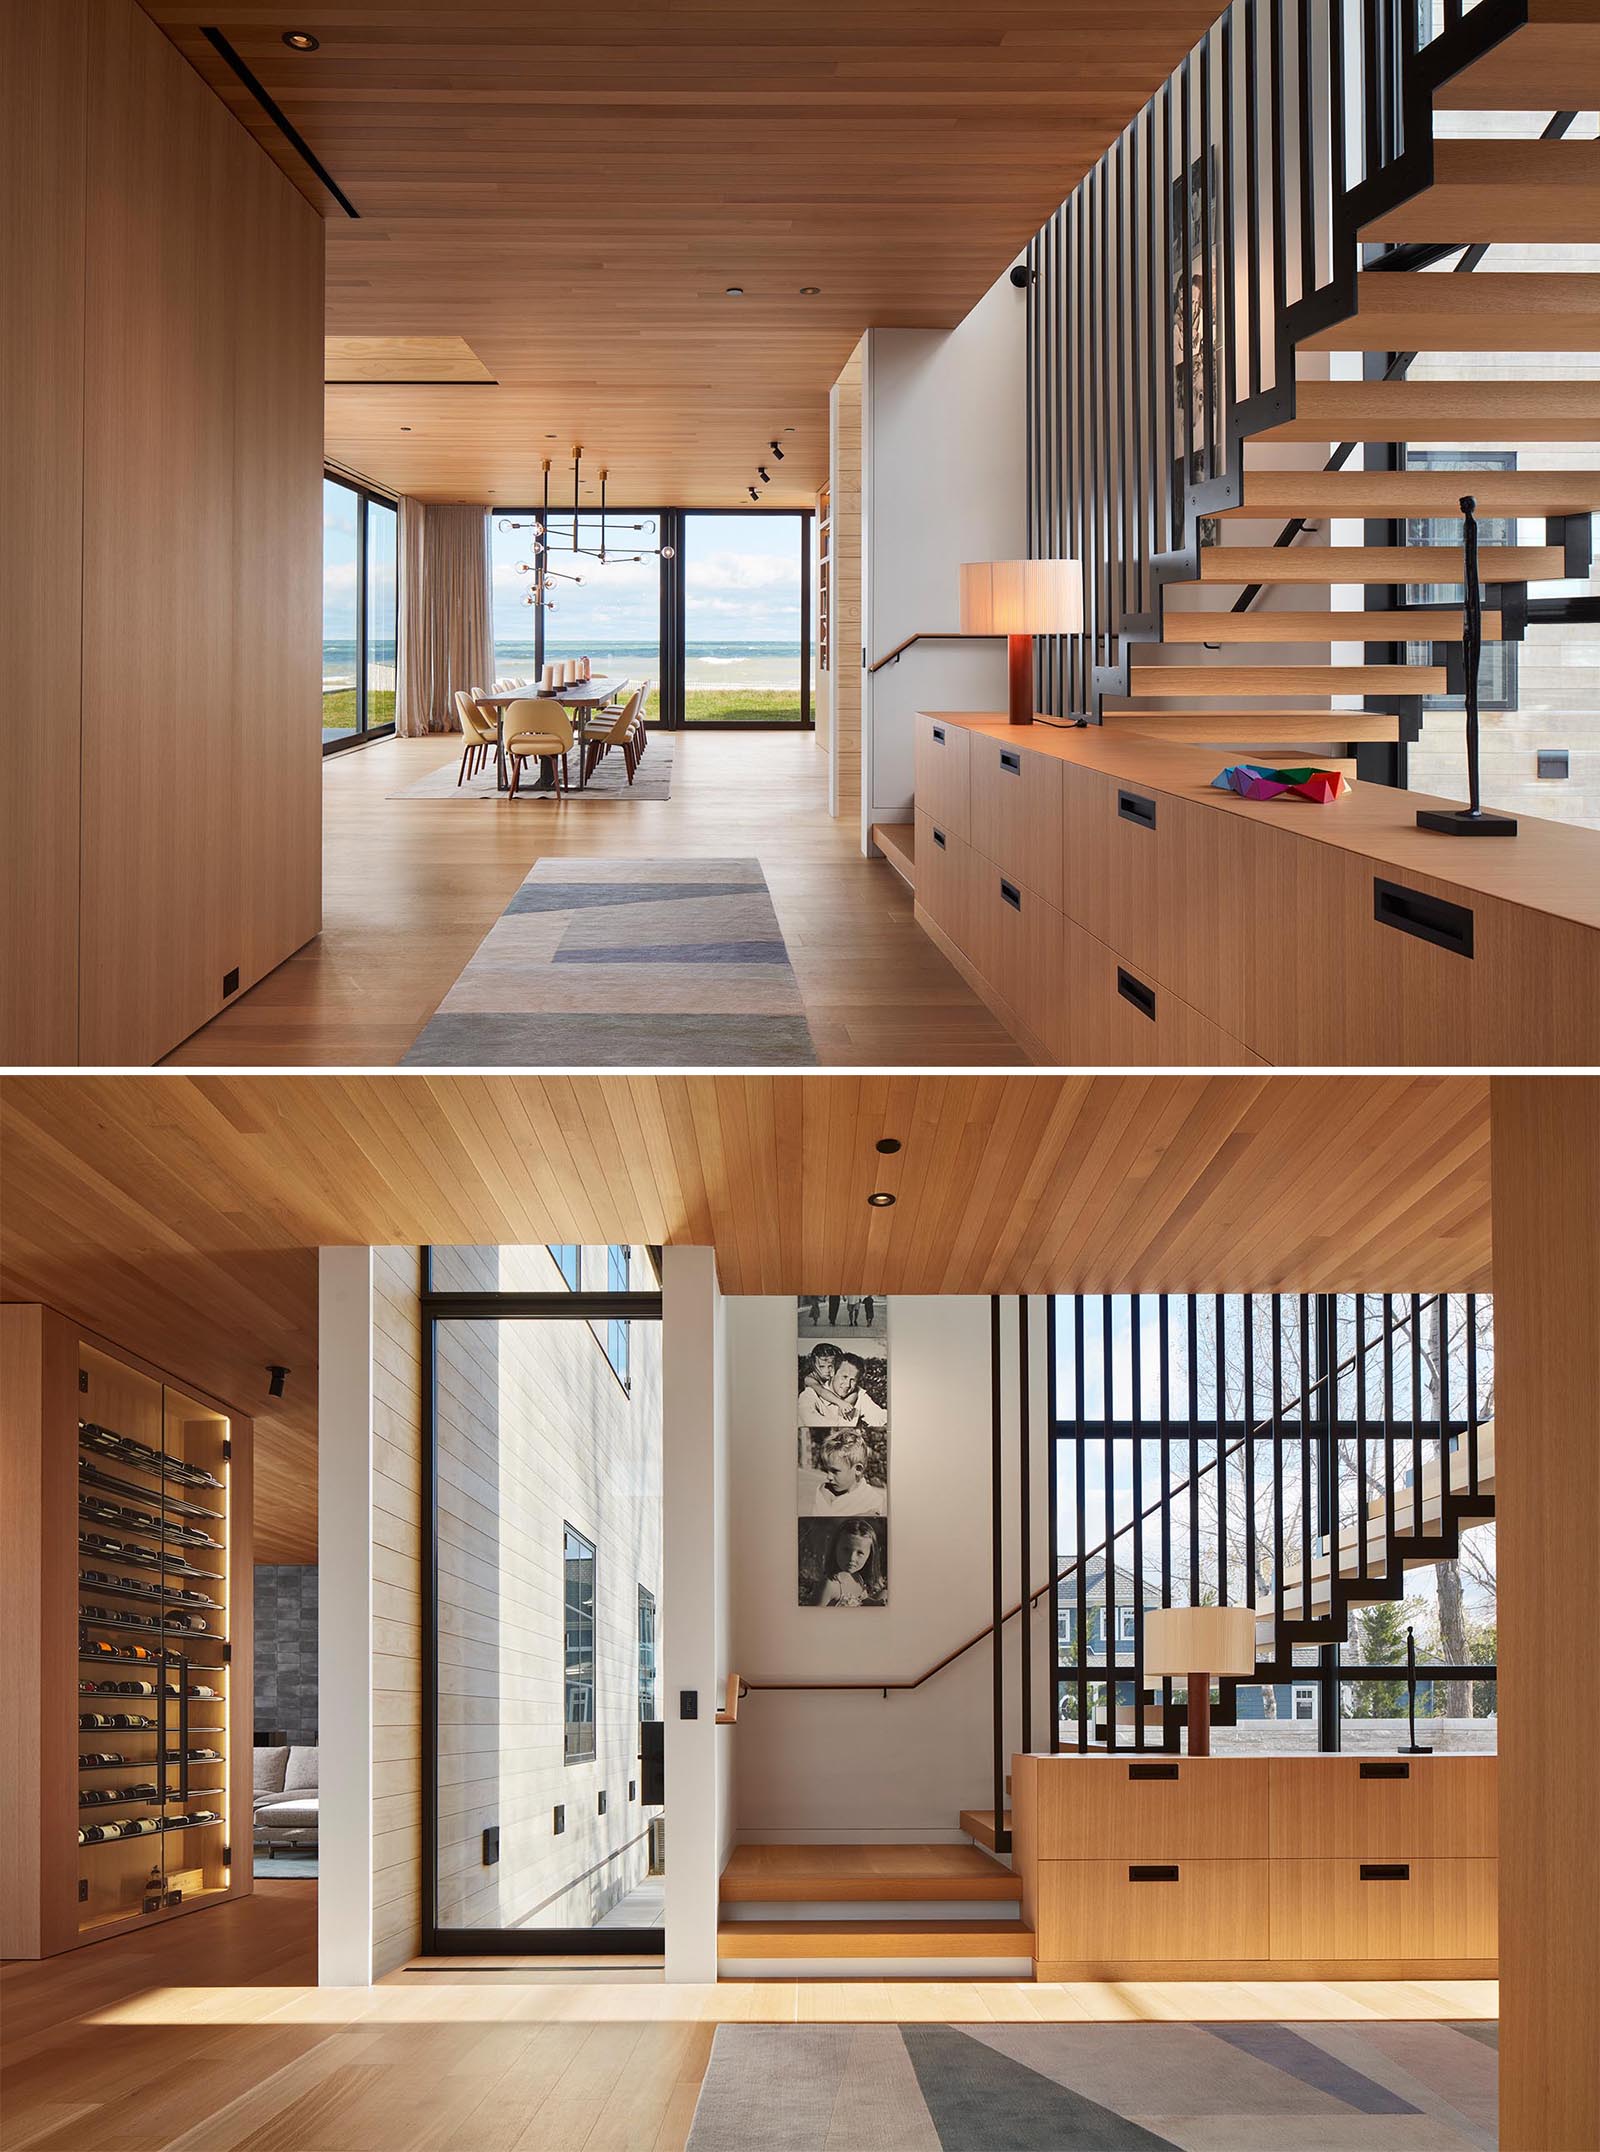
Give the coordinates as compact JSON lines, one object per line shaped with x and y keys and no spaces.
{"x":1310,"y":1867}
{"x":126,"y":1678}
{"x":1115,"y":909}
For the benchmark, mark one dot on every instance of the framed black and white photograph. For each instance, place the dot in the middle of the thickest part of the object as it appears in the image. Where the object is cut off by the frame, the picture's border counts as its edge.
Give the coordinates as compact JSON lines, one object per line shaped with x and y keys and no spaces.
{"x":843,"y":1382}
{"x":844,"y":1472}
{"x":864,"y":1315}
{"x":844,"y":1562}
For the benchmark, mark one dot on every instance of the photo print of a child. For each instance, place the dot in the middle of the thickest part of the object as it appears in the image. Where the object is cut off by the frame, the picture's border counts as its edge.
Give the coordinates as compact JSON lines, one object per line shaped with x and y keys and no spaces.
{"x":843,"y":1383}
{"x":843,"y":1315}
{"x":844,"y":1564}
{"x":844,"y":1472}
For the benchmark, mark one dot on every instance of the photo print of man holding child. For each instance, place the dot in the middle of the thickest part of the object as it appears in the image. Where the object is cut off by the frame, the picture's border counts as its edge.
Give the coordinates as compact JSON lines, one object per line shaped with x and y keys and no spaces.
{"x":842,"y":1418}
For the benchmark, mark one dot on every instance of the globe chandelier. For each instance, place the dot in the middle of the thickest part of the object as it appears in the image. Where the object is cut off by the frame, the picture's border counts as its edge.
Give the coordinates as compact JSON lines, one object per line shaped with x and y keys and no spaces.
{"x":585,"y":537}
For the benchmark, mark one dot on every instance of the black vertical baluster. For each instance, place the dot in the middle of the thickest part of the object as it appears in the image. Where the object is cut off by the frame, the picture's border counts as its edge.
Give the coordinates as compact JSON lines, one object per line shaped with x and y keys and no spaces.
{"x":1252,"y":153}
{"x":1157,"y":338}
{"x":1388,"y":1430}
{"x":1222,"y":1453}
{"x":1025,"y":1522}
{"x":1208,"y":327}
{"x":1361,"y":1434}
{"x":1106,"y":624}
{"x":1166,"y":356}
{"x":1338,"y":149}
{"x":1442,"y":1402}
{"x":997,"y":1595}
{"x":1371,"y":91}
{"x":1416,"y":1416}
{"x":1277,"y":1473}
{"x":1330,"y":1364}
{"x":1277,"y":72}
{"x":1078,"y":1495}
{"x":1052,"y":1465}
{"x":1194,"y":1451}
{"x":1117,"y":167}
{"x":1250,"y":1447}
{"x":1306,"y":125}
{"x":1184,"y":442}
{"x":1108,"y":1471}
{"x":1306,"y":1608}
{"x":1472,"y":1393}
{"x":1164,"y":1345}
{"x":1136,"y":1476}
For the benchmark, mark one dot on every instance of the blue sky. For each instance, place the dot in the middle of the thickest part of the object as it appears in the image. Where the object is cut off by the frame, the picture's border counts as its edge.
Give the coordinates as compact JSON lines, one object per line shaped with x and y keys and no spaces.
{"x":741,"y":584}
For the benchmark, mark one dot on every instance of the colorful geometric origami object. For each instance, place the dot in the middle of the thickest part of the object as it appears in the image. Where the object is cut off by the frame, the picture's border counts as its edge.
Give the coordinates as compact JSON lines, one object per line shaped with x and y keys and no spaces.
{"x":1252,"y":781}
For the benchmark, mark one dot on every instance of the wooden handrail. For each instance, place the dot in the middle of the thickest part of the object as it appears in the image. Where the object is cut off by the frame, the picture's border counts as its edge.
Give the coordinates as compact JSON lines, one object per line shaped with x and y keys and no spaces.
{"x":930,"y":635}
{"x":733,"y":1688}
{"x":1106,"y":1546}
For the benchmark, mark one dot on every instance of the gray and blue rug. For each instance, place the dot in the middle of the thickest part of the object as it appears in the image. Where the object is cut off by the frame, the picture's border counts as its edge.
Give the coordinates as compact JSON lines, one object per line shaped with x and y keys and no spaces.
{"x":627,"y":963}
{"x":1375,"y":2086}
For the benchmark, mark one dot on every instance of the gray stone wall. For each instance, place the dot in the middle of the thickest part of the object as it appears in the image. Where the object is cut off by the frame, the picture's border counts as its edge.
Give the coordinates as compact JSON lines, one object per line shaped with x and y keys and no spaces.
{"x":286,"y":1650}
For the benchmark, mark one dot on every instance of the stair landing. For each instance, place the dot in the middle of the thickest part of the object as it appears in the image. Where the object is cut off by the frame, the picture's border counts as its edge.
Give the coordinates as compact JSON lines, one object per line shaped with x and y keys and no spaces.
{"x":766,"y":1875}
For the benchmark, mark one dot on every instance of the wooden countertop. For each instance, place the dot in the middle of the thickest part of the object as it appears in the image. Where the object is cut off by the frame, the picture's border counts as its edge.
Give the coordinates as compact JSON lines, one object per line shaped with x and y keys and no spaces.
{"x":1550,"y":867}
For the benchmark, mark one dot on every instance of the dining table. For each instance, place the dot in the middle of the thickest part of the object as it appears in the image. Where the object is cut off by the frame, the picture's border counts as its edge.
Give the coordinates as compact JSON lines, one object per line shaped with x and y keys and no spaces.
{"x":581,"y":696}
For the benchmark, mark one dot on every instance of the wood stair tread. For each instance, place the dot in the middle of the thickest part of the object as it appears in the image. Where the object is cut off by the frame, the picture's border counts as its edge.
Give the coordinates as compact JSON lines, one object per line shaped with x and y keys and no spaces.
{"x":1493,"y":190}
{"x":897,"y":841}
{"x":1477,"y":310}
{"x":1318,"y":495}
{"x":1234,"y":728}
{"x":978,"y":1823}
{"x":1252,"y":680}
{"x":1454,"y":412}
{"x":1379,"y":563}
{"x":1264,"y":625}
{"x":874,"y":1874}
{"x":1524,"y":71}
{"x":874,"y":1939}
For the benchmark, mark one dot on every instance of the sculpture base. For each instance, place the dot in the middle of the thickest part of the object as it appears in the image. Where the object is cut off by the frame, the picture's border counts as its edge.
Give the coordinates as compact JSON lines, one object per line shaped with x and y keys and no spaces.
{"x":1462,"y":822}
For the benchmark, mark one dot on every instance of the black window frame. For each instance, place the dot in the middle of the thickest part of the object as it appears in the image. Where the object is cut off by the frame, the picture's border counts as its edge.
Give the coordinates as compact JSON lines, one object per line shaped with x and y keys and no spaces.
{"x":434,"y":1307}
{"x":366,"y":497}
{"x":649,"y":1653}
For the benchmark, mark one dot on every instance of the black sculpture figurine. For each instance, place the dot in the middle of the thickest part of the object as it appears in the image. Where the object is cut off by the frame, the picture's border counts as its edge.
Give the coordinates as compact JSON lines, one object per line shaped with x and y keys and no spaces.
{"x":1471,"y":820}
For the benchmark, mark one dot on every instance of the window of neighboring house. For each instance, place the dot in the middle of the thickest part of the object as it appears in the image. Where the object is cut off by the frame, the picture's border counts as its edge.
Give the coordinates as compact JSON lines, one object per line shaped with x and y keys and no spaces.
{"x":1125,"y":1625}
{"x":569,"y":1262}
{"x":1497,"y":676}
{"x":618,"y":1261}
{"x":1305,"y":1702}
{"x":647,"y":1654}
{"x":578,"y":1625}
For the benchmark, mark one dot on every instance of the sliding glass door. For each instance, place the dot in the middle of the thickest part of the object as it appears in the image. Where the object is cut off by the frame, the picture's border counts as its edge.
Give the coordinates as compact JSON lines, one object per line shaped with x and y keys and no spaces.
{"x":544,"y":1829}
{"x":746,"y":619}
{"x":359,"y":613}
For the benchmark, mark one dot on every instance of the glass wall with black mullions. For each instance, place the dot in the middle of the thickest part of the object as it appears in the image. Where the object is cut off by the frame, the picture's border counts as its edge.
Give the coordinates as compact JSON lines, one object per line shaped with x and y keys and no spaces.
{"x":1540,"y":682}
{"x":360,"y":600}
{"x":747,"y":619}
{"x":608,"y":612}
{"x":1325,"y":1461}
{"x":542,"y":1401}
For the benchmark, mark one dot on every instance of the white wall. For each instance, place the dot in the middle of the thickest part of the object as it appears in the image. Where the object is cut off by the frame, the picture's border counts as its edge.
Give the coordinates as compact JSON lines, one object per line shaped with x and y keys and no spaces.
{"x":862,"y":1767}
{"x":944,"y":422}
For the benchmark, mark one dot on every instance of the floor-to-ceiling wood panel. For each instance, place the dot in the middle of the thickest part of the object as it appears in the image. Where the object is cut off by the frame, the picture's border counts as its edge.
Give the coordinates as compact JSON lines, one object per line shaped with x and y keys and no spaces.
{"x":42,"y":128}
{"x":573,"y":192}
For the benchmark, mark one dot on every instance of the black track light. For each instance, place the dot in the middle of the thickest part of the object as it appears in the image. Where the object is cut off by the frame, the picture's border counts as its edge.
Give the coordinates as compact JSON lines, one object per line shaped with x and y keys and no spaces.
{"x":777,"y":451}
{"x":278,"y":1377}
{"x":764,"y":474}
{"x":754,"y":495}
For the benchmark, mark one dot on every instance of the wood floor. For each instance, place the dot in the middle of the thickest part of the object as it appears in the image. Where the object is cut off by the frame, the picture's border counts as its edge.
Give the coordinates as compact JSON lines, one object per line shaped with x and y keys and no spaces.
{"x":207,"y":2035}
{"x":410,"y":887}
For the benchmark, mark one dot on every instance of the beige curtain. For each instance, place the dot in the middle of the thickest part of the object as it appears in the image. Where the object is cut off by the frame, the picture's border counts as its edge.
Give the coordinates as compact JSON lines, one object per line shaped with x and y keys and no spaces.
{"x":446,"y":639}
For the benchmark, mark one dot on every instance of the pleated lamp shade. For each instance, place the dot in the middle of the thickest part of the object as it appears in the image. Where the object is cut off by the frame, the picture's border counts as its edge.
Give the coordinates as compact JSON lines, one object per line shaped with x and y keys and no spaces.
{"x":1021,"y":597}
{"x":1200,"y":1640}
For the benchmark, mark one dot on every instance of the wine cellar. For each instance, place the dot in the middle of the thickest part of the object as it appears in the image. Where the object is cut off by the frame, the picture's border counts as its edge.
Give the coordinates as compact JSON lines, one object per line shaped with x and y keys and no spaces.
{"x":134,"y":1589}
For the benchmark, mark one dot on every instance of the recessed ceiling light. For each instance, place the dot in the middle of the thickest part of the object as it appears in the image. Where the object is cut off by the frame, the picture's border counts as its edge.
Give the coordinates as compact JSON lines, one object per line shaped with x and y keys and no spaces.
{"x":734,"y":291}
{"x":888,"y":1145}
{"x":880,"y":1199}
{"x":301,"y":41}
{"x":810,"y":291}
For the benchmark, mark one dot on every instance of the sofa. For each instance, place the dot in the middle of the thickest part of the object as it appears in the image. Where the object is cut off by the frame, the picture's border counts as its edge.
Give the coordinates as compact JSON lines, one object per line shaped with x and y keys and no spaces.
{"x":286,"y":1799}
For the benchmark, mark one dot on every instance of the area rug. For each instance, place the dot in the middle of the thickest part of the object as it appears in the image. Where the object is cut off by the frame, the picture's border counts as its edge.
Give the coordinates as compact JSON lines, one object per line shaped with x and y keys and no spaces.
{"x":627,"y":963}
{"x":283,"y":1867}
{"x":652,"y":781}
{"x":1369,"y":2087}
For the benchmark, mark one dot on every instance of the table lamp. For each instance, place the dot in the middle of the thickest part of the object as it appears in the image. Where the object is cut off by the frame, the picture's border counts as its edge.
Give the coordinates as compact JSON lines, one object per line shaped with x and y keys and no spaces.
{"x":1197,"y":1643}
{"x":1020,"y":599}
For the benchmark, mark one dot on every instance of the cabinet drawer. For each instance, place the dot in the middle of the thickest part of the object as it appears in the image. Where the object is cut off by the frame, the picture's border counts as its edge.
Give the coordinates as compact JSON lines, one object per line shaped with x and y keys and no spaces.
{"x":1016,"y":944}
{"x":1112,"y":1911}
{"x":1116,"y":838}
{"x":1016,"y":812}
{"x":1384,"y":1909}
{"x":1150,"y":1808}
{"x":942,"y":774}
{"x":944,"y":880}
{"x":1112,"y":1015}
{"x":1385,"y":1808}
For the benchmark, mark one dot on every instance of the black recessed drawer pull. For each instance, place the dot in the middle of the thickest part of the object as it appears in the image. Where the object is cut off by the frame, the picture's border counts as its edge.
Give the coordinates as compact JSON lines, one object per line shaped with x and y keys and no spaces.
{"x":1152,"y":1770}
{"x":1134,"y":807}
{"x":1134,"y":991}
{"x":938,"y":838}
{"x":1011,"y":761}
{"x":1430,"y":919}
{"x":1012,"y":895}
{"x":1386,"y":1871}
{"x":1386,"y":1770}
{"x":938,"y":734}
{"x":1146,"y":1873}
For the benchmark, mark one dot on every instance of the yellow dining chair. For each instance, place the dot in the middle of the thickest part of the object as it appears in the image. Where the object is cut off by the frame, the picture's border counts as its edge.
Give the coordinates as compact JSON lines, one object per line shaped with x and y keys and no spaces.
{"x":535,"y":728}
{"x":477,"y":732}
{"x":620,"y":733}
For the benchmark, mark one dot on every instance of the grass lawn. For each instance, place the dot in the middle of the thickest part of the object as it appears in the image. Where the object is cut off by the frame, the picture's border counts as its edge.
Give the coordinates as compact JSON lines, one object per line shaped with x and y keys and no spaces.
{"x":702,"y":706}
{"x":339,"y":709}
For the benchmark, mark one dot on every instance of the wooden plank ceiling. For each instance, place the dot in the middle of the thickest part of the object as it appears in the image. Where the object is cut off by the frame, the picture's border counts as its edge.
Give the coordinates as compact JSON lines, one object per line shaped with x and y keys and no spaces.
{"x":180,"y":1215}
{"x":572,"y":191}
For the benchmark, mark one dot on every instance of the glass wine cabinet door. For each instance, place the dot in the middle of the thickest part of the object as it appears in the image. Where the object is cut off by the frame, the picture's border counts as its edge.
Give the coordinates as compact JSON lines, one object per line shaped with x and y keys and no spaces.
{"x":153,"y":1671}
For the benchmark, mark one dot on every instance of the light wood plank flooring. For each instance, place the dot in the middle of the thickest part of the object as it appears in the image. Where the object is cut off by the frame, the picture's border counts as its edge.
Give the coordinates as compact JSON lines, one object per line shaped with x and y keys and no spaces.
{"x":410,"y":887}
{"x":207,"y":2035}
